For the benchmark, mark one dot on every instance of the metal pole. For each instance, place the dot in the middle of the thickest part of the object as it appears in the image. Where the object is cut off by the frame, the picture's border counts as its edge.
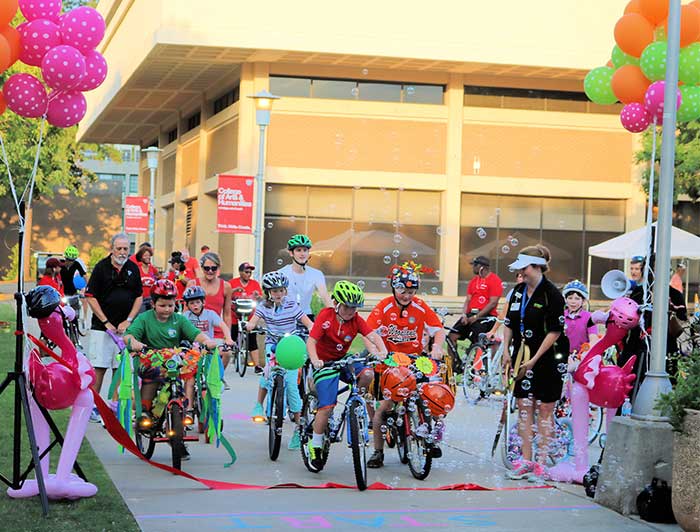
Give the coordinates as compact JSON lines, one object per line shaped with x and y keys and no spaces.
{"x":656,"y":381}
{"x":152,"y":208}
{"x":259,"y":208}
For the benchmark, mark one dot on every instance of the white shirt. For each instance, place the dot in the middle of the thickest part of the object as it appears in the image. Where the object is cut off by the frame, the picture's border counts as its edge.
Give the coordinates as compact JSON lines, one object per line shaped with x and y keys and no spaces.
{"x":302,"y":285}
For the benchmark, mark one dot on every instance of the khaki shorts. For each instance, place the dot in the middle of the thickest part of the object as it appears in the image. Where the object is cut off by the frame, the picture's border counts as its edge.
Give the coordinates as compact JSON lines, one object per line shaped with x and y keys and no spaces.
{"x":102,"y":351}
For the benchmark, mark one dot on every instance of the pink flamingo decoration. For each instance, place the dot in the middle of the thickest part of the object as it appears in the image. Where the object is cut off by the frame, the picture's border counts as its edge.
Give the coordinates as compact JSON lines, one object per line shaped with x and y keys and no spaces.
{"x":57,"y":387}
{"x":605,"y":386}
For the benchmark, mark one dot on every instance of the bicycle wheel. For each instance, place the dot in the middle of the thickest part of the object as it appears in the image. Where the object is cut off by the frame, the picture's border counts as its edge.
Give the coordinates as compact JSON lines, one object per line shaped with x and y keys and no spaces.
{"x":242,"y":354}
{"x":308,"y":413}
{"x":145,"y":441}
{"x":276,"y":417}
{"x":510,"y":444}
{"x":450,"y":379}
{"x":177,"y":445}
{"x":453,"y":352}
{"x":471,"y":380}
{"x":357,"y":416}
{"x":419,"y":427}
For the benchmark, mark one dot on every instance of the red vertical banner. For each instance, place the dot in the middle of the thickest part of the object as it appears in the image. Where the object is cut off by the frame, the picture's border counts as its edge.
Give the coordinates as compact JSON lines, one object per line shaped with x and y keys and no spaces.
{"x":234,"y":202}
{"x":136,"y":214}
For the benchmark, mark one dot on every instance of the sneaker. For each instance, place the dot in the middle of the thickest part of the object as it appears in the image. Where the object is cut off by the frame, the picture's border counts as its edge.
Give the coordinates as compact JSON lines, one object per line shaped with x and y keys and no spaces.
{"x":522,"y":470}
{"x":95,"y":416}
{"x":376,"y":460}
{"x":315,"y":455}
{"x":185,"y":456}
{"x":295,"y":442}
{"x":226,"y":386}
{"x":435,"y":452}
{"x":259,"y":370}
{"x":538,"y":473}
{"x":258,"y":412}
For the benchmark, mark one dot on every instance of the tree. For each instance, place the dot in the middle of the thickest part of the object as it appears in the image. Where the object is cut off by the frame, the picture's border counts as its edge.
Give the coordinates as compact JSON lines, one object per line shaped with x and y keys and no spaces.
{"x":687,"y":161}
{"x":60,"y":154}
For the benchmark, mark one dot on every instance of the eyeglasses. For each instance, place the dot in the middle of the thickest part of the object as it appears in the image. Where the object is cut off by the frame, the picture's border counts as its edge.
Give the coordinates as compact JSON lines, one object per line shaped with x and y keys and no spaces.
{"x":210,"y":268}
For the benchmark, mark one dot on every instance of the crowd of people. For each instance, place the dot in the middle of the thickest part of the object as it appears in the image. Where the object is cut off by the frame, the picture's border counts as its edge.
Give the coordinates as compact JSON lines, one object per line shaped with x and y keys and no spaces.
{"x":541,"y":326}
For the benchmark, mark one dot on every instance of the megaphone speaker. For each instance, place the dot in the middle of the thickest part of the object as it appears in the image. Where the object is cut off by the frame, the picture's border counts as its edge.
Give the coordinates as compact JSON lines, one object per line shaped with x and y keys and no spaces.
{"x":615,"y":284}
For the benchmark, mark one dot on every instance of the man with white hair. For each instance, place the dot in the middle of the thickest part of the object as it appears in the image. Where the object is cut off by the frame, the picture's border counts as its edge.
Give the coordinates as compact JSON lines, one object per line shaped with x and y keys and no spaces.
{"x":114,"y":295}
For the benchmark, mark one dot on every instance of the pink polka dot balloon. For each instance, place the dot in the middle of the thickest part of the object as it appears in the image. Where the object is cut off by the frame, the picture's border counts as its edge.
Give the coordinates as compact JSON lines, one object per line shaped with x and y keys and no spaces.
{"x":25,"y":95}
{"x":635,"y":118}
{"x":96,"y":71}
{"x":654,"y":100}
{"x":63,"y":67}
{"x":82,"y":28}
{"x":66,"y":109}
{"x":34,"y":9}
{"x":38,"y":37}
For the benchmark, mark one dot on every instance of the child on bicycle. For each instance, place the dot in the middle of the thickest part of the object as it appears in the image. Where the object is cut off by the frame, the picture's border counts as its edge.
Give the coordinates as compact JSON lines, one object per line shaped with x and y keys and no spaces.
{"x":161,"y":328}
{"x":281,"y":315}
{"x":403,"y":322}
{"x":329,"y":340}
{"x":206,"y":320}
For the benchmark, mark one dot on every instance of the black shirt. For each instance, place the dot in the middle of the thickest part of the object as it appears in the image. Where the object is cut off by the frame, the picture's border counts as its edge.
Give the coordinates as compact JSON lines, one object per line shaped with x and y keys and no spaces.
{"x":544,"y":313}
{"x":68,"y":273}
{"x":115,"y":290}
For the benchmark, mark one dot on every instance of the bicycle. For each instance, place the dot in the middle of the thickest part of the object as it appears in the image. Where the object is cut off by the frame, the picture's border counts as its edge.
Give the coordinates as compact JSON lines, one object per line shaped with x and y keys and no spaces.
{"x":244,"y":308}
{"x":168,"y":421}
{"x":354,"y":414}
{"x":482,"y":369}
{"x":199,"y":408}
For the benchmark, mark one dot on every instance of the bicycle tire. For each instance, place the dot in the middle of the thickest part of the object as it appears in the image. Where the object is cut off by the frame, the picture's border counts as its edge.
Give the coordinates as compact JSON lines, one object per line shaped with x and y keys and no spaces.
{"x":506,"y":435}
{"x":357,"y":443}
{"x":276,"y":417}
{"x":145,"y":441}
{"x":242,"y":355}
{"x":177,"y":444}
{"x":419,"y":459}
{"x":471,"y":390}
{"x":308,"y":412}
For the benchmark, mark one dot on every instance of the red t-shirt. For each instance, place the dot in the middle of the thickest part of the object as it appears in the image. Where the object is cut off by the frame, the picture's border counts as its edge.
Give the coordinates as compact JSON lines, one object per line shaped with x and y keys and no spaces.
{"x":483,"y":288}
{"x":148,"y":277}
{"x":215,"y":303}
{"x":180,"y":280}
{"x":191,"y":267}
{"x":333,"y":338}
{"x":404,"y":331}
{"x":250,"y":291}
{"x":52,"y":281}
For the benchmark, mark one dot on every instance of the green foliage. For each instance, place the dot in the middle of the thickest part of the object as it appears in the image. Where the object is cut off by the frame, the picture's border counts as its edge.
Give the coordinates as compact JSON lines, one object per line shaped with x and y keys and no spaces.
{"x":11,"y":272}
{"x":687,"y":163}
{"x":97,"y":253}
{"x":686,"y":394}
{"x":317,"y":304}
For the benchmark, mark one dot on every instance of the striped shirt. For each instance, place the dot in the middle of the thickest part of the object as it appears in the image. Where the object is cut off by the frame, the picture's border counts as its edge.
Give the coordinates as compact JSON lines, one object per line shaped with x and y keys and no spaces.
{"x":280,"y":320}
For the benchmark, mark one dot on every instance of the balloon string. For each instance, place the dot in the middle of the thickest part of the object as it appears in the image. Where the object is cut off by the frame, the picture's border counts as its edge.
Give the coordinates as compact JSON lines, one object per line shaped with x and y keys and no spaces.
{"x":32,"y":178}
{"x":11,"y":181}
{"x":646,"y":286}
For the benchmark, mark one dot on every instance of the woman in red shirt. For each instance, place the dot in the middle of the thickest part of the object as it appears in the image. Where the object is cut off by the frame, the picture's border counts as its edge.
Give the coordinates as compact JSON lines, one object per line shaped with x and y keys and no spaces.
{"x":52,"y":275}
{"x":149,"y":274}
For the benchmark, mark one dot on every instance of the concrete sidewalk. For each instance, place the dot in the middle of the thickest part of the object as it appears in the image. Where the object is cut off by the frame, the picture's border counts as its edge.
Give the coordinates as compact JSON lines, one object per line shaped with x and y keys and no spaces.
{"x":162,"y":502}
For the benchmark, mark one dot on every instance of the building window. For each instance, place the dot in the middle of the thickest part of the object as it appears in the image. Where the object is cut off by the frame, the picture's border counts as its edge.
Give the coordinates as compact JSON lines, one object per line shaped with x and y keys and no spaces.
{"x":133,"y":187}
{"x":193,"y":121}
{"x":356,"y":89}
{"x":226,"y":100}
{"x":172,"y":135}
{"x":357,"y":233}
{"x":533,"y":99}
{"x":499,"y":226}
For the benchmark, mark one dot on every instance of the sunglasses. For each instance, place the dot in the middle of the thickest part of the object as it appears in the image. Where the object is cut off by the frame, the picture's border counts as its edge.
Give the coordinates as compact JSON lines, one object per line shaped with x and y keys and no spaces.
{"x":210,"y":268}
{"x":637,"y":258}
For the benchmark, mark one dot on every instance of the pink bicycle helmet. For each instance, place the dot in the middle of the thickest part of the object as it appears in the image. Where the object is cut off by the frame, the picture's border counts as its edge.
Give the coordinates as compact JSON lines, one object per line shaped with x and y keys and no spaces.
{"x":624,"y":313}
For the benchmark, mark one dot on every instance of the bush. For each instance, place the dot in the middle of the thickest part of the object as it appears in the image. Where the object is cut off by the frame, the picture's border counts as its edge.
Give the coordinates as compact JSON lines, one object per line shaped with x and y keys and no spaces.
{"x":686,"y":394}
{"x":317,"y":304}
{"x":97,"y":253}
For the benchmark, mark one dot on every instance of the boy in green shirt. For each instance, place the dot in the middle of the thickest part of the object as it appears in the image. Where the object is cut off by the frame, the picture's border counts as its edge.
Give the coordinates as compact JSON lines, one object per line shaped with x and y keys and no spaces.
{"x":161,"y":328}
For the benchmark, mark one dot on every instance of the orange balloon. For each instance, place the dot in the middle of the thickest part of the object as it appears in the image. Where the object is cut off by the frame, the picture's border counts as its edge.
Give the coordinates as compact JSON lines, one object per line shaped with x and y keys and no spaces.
{"x":690,"y":24}
{"x":629,"y":84}
{"x":634,"y":7}
{"x":3,"y":104}
{"x":695,"y":3}
{"x":8,"y":9}
{"x":655,"y":11}
{"x":633,"y":33}
{"x":14,"y":40}
{"x":5,"y":54}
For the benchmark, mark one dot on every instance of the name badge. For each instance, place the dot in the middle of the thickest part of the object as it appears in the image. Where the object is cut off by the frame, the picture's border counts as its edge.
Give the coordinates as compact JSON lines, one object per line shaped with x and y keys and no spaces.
{"x":515,"y":306}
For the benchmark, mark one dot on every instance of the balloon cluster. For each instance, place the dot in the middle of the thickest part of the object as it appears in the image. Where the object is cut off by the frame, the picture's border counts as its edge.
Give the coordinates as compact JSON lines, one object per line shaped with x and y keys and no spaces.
{"x":63,"y":46}
{"x":635,"y":73}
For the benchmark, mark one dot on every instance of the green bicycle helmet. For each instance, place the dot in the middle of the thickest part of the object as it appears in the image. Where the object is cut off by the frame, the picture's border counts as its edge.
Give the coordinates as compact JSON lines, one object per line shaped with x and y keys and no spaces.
{"x":348,"y":294}
{"x":299,"y":241}
{"x":71,"y":253}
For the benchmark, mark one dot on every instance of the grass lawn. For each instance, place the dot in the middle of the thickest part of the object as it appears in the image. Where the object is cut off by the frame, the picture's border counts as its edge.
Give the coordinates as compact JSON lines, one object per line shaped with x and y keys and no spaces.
{"x":104,"y":512}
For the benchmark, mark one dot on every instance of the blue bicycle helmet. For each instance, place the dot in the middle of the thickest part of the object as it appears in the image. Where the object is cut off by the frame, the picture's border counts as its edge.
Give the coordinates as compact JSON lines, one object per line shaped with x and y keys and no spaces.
{"x":575,"y":287}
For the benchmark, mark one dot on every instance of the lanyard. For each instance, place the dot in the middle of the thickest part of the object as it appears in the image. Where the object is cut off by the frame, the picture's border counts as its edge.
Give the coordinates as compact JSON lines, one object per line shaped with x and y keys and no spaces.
{"x":523,"y":305}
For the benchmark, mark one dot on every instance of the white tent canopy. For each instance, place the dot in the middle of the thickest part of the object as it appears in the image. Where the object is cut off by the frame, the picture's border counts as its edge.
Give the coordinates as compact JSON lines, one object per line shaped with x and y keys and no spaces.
{"x":633,"y":244}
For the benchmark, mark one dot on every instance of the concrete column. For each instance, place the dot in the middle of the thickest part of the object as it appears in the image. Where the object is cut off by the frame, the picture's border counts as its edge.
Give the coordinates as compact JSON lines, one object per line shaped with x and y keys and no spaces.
{"x":451,"y":196}
{"x":180,"y":212}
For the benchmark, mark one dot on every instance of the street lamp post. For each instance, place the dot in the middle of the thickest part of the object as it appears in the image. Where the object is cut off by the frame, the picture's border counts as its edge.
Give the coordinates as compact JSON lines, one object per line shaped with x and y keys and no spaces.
{"x":152,"y":156}
{"x":263,"y":105}
{"x":656,"y":381}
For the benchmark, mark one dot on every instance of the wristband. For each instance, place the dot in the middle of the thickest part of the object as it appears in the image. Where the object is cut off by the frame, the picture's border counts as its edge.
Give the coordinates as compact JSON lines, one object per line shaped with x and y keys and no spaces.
{"x":105,"y":322}
{"x":129,"y":320}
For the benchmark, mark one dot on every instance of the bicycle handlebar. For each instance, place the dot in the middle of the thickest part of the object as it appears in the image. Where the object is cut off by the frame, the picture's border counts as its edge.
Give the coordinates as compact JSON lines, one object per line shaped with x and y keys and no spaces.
{"x":351,"y":359}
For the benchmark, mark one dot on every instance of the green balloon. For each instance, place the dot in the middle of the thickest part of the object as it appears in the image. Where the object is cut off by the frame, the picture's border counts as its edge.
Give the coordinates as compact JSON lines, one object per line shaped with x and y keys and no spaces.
{"x":597,"y":87}
{"x":291,"y":352}
{"x":653,"y":61}
{"x":689,"y":64}
{"x":620,"y":58}
{"x":690,"y":104}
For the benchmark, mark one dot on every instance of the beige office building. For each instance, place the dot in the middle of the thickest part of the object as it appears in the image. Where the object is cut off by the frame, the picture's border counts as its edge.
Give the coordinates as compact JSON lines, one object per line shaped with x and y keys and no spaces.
{"x":433,"y":131}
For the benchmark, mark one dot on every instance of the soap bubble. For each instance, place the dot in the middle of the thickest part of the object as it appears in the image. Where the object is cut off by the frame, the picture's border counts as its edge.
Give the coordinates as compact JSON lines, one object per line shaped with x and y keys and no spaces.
{"x":414,"y":254}
{"x":355,"y":91}
{"x":387,"y":259}
{"x":361,"y":284}
{"x":514,"y":242}
{"x":505,"y":250}
{"x":434,"y":290}
{"x":561,"y":367}
{"x":397,"y":238}
{"x":481,"y":233}
{"x":410,"y":91}
{"x":395,"y":253}
{"x":365,"y":71}
{"x":280,"y":262}
{"x":439,"y":231}
{"x":385,"y":283}
{"x":525,"y":385}
{"x":529,"y":374}
{"x":270,"y":225}
{"x":339,"y":347}
{"x":528,"y":334}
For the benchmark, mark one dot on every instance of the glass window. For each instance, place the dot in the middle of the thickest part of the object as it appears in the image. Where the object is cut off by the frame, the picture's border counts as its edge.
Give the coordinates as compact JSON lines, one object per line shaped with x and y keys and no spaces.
{"x":480,"y":210}
{"x":286,"y":200}
{"x":328,"y":202}
{"x":277,"y":231}
{"x":520,"y":212}
{"x":336,"y":89}
{"x":297,"y":87}
{"x":562,"y":214}
{"x":419,"y":207}
{"x":380,"y":92}
{"x":331,"y":245}
{"x":376,"y":206}
{"x":133,"y":184}
{"x":567,"y":252}
{"x":423,"y":94}
{"x":605,"y":215}
{"x":599,"y":266}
